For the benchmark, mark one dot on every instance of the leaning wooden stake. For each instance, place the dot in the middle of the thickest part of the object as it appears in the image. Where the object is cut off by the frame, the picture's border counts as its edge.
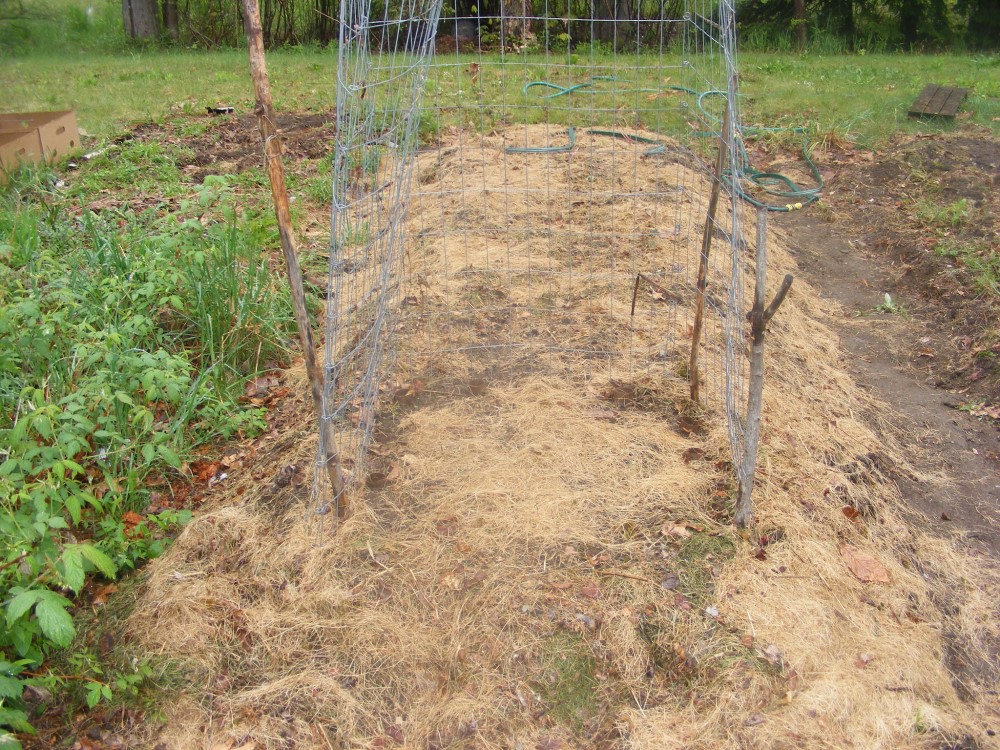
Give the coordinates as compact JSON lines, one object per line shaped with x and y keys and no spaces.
{"x":759,"y":317}
{"x":276,"y":173}
{"x":706,"y":247}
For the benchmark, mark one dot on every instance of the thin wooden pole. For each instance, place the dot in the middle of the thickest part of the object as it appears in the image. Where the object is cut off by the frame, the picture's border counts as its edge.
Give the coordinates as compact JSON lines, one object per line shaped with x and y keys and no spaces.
{"x":275,"y":171}
{"x":759,"y":317}
{"x":706,"y":247}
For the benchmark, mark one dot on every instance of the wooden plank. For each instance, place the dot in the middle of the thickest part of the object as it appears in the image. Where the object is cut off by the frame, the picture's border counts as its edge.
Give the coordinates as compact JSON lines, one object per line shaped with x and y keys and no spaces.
{"x":938,"y":101}
{"x":950,"y":108}
{"x":920,"y":104}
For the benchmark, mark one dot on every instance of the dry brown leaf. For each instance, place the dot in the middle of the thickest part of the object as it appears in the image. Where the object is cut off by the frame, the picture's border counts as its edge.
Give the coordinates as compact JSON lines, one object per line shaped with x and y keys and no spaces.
{"x":851,"y":512}
{"x":863,"y":566}
{"x":692,"y":454}
{"x":101,"y":594}
{"x":590,"y":590}
{"x":676,"y":530}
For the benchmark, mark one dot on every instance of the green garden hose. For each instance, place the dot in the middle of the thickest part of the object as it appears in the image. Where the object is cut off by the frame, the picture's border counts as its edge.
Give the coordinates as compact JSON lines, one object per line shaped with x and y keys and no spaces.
{"x":771,"y":183}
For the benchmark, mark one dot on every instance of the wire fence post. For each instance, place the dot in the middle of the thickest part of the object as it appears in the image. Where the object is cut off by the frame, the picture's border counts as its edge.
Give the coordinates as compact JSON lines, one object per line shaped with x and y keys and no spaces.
{"x":759,"y":317}
{"x":272,"y":156}
{"x":706,"y":247}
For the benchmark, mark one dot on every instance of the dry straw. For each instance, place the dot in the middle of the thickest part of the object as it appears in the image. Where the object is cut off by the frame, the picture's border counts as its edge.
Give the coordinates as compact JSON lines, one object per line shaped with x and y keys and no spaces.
{"x":543,"y":558}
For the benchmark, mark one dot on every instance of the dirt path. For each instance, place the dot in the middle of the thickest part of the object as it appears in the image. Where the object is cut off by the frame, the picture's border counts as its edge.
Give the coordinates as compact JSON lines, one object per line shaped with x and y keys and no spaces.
{"x":892,"y":355}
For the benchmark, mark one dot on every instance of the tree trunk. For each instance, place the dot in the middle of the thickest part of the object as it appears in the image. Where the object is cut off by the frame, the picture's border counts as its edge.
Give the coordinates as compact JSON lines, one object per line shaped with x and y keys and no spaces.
{"x":170,"y":19}
{"x":141,"y":18}
{"x":514,"y":15}
{"x":799,"y":23}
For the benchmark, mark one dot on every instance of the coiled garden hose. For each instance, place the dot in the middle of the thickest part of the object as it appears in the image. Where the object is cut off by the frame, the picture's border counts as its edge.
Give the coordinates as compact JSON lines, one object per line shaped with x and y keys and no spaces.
{"x":772,"y":183}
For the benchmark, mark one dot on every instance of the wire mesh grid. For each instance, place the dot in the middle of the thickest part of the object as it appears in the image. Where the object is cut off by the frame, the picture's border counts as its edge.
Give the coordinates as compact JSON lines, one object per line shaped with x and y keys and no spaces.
{"x":527,"y":193}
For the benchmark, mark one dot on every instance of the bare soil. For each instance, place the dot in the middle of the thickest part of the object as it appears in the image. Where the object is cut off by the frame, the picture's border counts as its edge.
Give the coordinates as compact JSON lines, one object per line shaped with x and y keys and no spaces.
{"x":231,"y":144}
{"x":937,"y":357}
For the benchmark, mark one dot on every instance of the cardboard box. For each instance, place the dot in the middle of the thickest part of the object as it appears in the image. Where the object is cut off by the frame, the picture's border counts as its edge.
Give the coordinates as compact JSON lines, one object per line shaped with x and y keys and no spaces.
{"x":36,"y":137}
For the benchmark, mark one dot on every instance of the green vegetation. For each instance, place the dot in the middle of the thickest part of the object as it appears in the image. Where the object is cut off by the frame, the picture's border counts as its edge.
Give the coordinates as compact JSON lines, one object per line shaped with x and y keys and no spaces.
{"x":568,"y":683}
{"x":696,"y":557}
{"x":128,"y":337}
{"x":842,"y":99}
{"x":976,"y":261}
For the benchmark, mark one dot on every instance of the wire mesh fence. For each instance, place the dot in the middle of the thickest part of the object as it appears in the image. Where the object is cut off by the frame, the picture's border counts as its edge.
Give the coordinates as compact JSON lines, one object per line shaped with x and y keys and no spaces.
{"x":531,"y":192}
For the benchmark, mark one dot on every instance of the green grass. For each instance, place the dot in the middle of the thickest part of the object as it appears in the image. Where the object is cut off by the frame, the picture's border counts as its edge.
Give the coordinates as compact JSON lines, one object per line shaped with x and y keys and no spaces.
{"x":568,"y":684}
{"x":975,"y":261}
{"x":856,"y":98}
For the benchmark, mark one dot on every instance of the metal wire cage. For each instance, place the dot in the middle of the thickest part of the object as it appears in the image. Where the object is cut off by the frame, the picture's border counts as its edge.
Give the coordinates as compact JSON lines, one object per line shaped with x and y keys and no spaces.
{"x":534,"y":187}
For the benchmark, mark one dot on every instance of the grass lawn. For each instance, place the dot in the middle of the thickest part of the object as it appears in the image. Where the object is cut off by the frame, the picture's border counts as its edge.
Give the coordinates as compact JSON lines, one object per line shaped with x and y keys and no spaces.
{"x":857,"y":98}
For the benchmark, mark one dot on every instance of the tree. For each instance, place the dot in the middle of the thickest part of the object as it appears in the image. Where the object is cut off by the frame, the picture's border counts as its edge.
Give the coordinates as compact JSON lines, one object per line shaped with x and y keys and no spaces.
{"x":983,"y":26}
{"x":800,"y":23}
{"x":141,"y":18}
{"x":171,"y":19}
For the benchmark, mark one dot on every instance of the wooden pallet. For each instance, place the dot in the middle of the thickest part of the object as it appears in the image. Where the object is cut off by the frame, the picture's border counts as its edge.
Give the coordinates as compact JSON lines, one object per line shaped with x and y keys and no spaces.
{"x":938,"y":101}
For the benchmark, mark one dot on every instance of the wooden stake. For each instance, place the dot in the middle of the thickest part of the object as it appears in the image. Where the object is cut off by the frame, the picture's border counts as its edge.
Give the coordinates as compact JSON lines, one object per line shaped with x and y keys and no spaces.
{"x":275,"y":171}
{"x":706,"y":247}
{"x":759,"y":317}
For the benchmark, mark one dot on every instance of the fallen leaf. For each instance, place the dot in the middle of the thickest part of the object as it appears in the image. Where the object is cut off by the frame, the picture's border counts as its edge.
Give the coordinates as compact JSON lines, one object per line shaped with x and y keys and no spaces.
{"x":259,"y":386}
{"x":671,"y":581}
{"x":753,"y":720}
{"x":204,"y":470}
{"x":993,"y":412}
{"x":773,"y":655}
{"x":590,"y":590}
{"x":689,"y":425}
{"x":851,"y":512}
{"x":746,"y":641}
{"x":677,"y":530}
{"x":863,"y":661}
{"x":692,"y":454}
{"x":863,"y":566}
{"x":101,"y":594}
{"x":682,"y":602}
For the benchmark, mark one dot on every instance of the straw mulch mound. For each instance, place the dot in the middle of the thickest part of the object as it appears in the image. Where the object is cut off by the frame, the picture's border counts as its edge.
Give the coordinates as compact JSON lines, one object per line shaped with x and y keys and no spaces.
{"x":543,"y":557}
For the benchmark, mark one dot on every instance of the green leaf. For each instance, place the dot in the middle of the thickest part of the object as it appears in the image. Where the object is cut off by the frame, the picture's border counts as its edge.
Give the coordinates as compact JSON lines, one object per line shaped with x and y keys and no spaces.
{"x":99,"y":560}
{"x":16,"y":720}
{"x":169,"y":456}
{"x":93,"y":694}
{"x":71,"y":464}
{"x":22,"y":633}
{"x":55,"y":621}
{"x":148,"y":452}
{"x":72,"y":562}
{"x":20,"y":604}
{"x":124,"y":398}
{"x":11,"y":687}
{"x":72,"y":503}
